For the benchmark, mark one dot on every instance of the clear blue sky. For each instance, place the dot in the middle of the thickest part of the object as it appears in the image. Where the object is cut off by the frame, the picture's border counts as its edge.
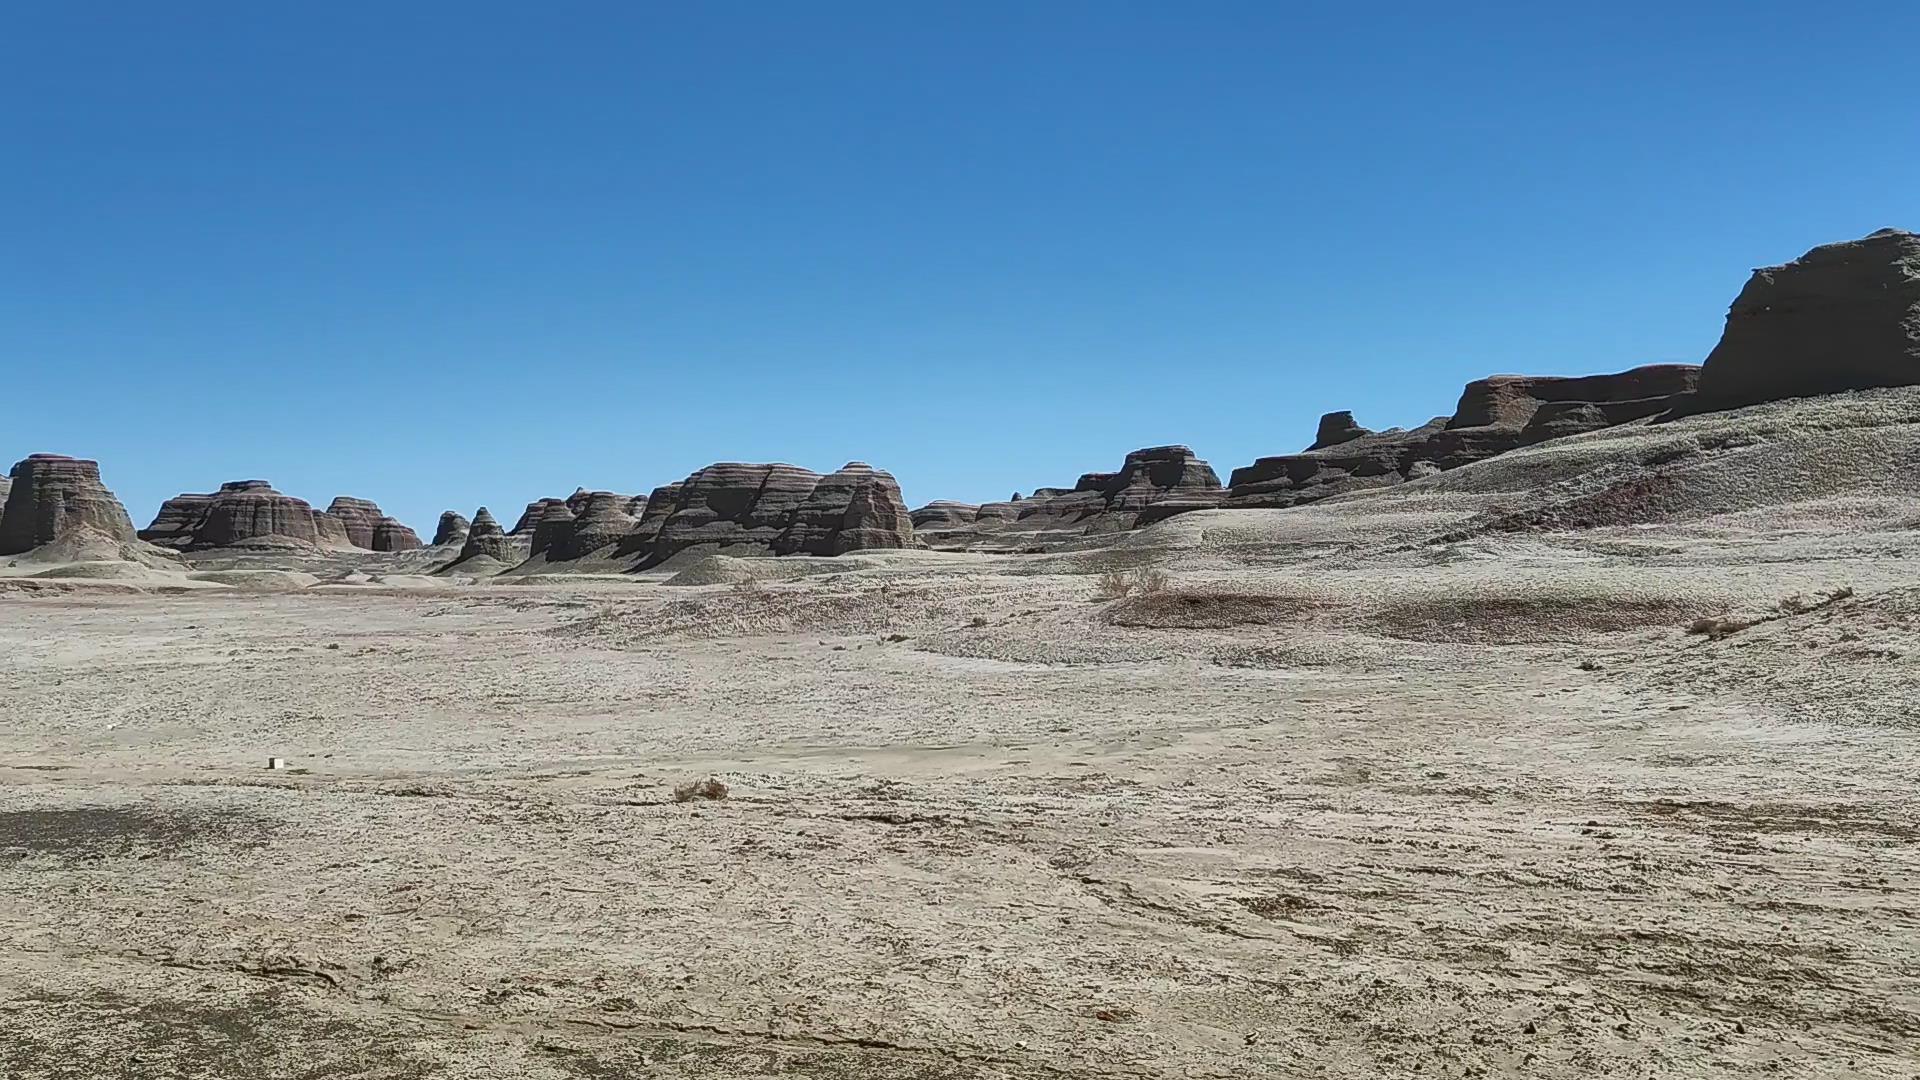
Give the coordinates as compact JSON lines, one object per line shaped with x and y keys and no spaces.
{"x":441,"y":255}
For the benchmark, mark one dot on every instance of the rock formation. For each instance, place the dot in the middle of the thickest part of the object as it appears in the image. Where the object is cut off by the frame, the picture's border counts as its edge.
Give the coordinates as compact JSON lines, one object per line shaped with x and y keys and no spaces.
{"x":554,"y":530}
{"x":943,"y":512}
{"x":1151,"y":484}
{"x":486,"y":540}
{"x":1841,"y":317}
{"x":51,"y":495}
{"x":452,"y":529}
{"x":530,"y":517}
{"x":857,"y":508}
{"x":730,"y":504}
{"x":1493,"y":415}
{"x":390,"y":535}
{"x":1336,"y":428}
{"x":359,"y":516}
{"x":601,"y":522}
{"x":179,"y":518}
{"x":251,"y":513}
{"x":331,"y":532}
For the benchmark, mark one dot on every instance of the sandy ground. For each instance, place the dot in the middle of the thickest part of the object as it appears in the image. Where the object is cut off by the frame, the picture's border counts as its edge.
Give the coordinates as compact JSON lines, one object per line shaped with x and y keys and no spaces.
{"x":1483,"y":809}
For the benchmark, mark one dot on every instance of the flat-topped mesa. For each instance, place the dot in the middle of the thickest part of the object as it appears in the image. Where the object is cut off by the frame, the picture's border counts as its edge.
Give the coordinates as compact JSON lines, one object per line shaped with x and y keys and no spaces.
{"x":52,"y":495}
{"x":250,"y":513}
{"x":602,"y":522}
{"x":1843,"y":316}
{"x":390,"y":535}
{"x":485,"y":539}
{"x":359,"y":516}
{"x":452,"y":529}
{"x":731,"y":504}
{"x":1493,"y":415}
{"x":1336,"y":428}
{"x":857,"y":508}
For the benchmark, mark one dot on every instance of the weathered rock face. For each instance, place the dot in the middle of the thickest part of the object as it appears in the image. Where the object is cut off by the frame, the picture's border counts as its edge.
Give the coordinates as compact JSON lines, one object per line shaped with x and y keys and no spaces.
{"x":452,"y":529}
{"x":602,"y":522}
{"x":1152,"y":483}
{"x":331,"y":531}
{"x":50,"y":495}
{"x":945,"y":512}
{"x":554,"y":530}
{"x":1336,"y":428}
{"x":179,"y":518}
{"x":250,"y":512}
{"x":390,"y":535}
{"x":1841,"y":317}
{"x":485,"y":539}
{"x":857,"y":508}
{"x":731,"y":504}
{"x":1494,"y":415}
{"x":530,"y":517}
{"x":359,"y":516}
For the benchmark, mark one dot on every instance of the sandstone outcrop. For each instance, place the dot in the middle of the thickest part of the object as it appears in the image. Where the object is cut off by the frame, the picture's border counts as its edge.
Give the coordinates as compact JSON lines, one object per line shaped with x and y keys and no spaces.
{"x":452,"y":529}
{"x":178,"y":520}
{"x":554,"y":530}
{"x":1843,"y":316}
{"x":1493,"y":415}
{"x":1336,"y":428}
{"x":331,"y":532}
{"x":359,"y":516}
{"x":732,"y":504}
{"x":250,"y":513}
{"x":52,"y":495}
{"x":389,"y":534}
{"x":943,"y":512}
{"x":857,"y":508}
{"x":486,"y":540}
{"x":1152,"y":483}
{"x":602,"y":521}
{"x":530,"y":517}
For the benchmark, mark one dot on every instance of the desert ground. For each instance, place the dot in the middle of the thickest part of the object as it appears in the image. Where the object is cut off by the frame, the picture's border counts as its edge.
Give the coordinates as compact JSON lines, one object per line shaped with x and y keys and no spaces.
{"x":1363,"y":788}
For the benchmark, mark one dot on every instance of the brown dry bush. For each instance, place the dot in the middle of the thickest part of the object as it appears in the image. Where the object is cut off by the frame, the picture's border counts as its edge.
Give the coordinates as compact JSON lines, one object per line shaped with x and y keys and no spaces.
{"x":709,"y":788}
{"x":1112,"y":585}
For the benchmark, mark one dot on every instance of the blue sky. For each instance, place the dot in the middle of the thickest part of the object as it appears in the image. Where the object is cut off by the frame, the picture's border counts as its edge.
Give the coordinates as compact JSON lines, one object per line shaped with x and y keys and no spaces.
{"x":441,"y":255}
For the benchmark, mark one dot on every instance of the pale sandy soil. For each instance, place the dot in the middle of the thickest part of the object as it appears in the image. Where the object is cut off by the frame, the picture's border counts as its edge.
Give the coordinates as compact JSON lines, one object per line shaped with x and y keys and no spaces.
{"x":1387,"y":825}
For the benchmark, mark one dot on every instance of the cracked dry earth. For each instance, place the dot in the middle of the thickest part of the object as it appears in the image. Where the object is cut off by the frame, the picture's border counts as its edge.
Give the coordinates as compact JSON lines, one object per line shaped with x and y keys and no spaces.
{"x":938,"y":858}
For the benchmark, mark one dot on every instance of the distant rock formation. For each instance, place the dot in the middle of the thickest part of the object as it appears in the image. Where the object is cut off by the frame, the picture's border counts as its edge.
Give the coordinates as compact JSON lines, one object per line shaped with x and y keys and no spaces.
{"x":1843,"y":316}
{"x":554,"y":530}
{"x":530,"y":517}
{"x":857,"y":508}
{"x":1152,"y":483}
{"x":179,"y":518}
{"x":245,"y":513}
{"x":943,"y":512}
{"x":452,"y":529}
{"x":359,"y":516}
{"x":390,"y":535}
{"x":602,"y":521}
{"x":731,"y":504}
{"x":1336,"y":428}
{"x":52,"y":495}
{"x":486,"y":540}
{"x":332,"y":532}
{"x":1493,"y":415}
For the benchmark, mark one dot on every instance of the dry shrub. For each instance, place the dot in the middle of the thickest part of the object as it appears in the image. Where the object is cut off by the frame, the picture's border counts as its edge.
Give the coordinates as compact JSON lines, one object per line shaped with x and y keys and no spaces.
{"x":749,"y":588}
{"x":709,"y":788}
{"x":1119,"y":584}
